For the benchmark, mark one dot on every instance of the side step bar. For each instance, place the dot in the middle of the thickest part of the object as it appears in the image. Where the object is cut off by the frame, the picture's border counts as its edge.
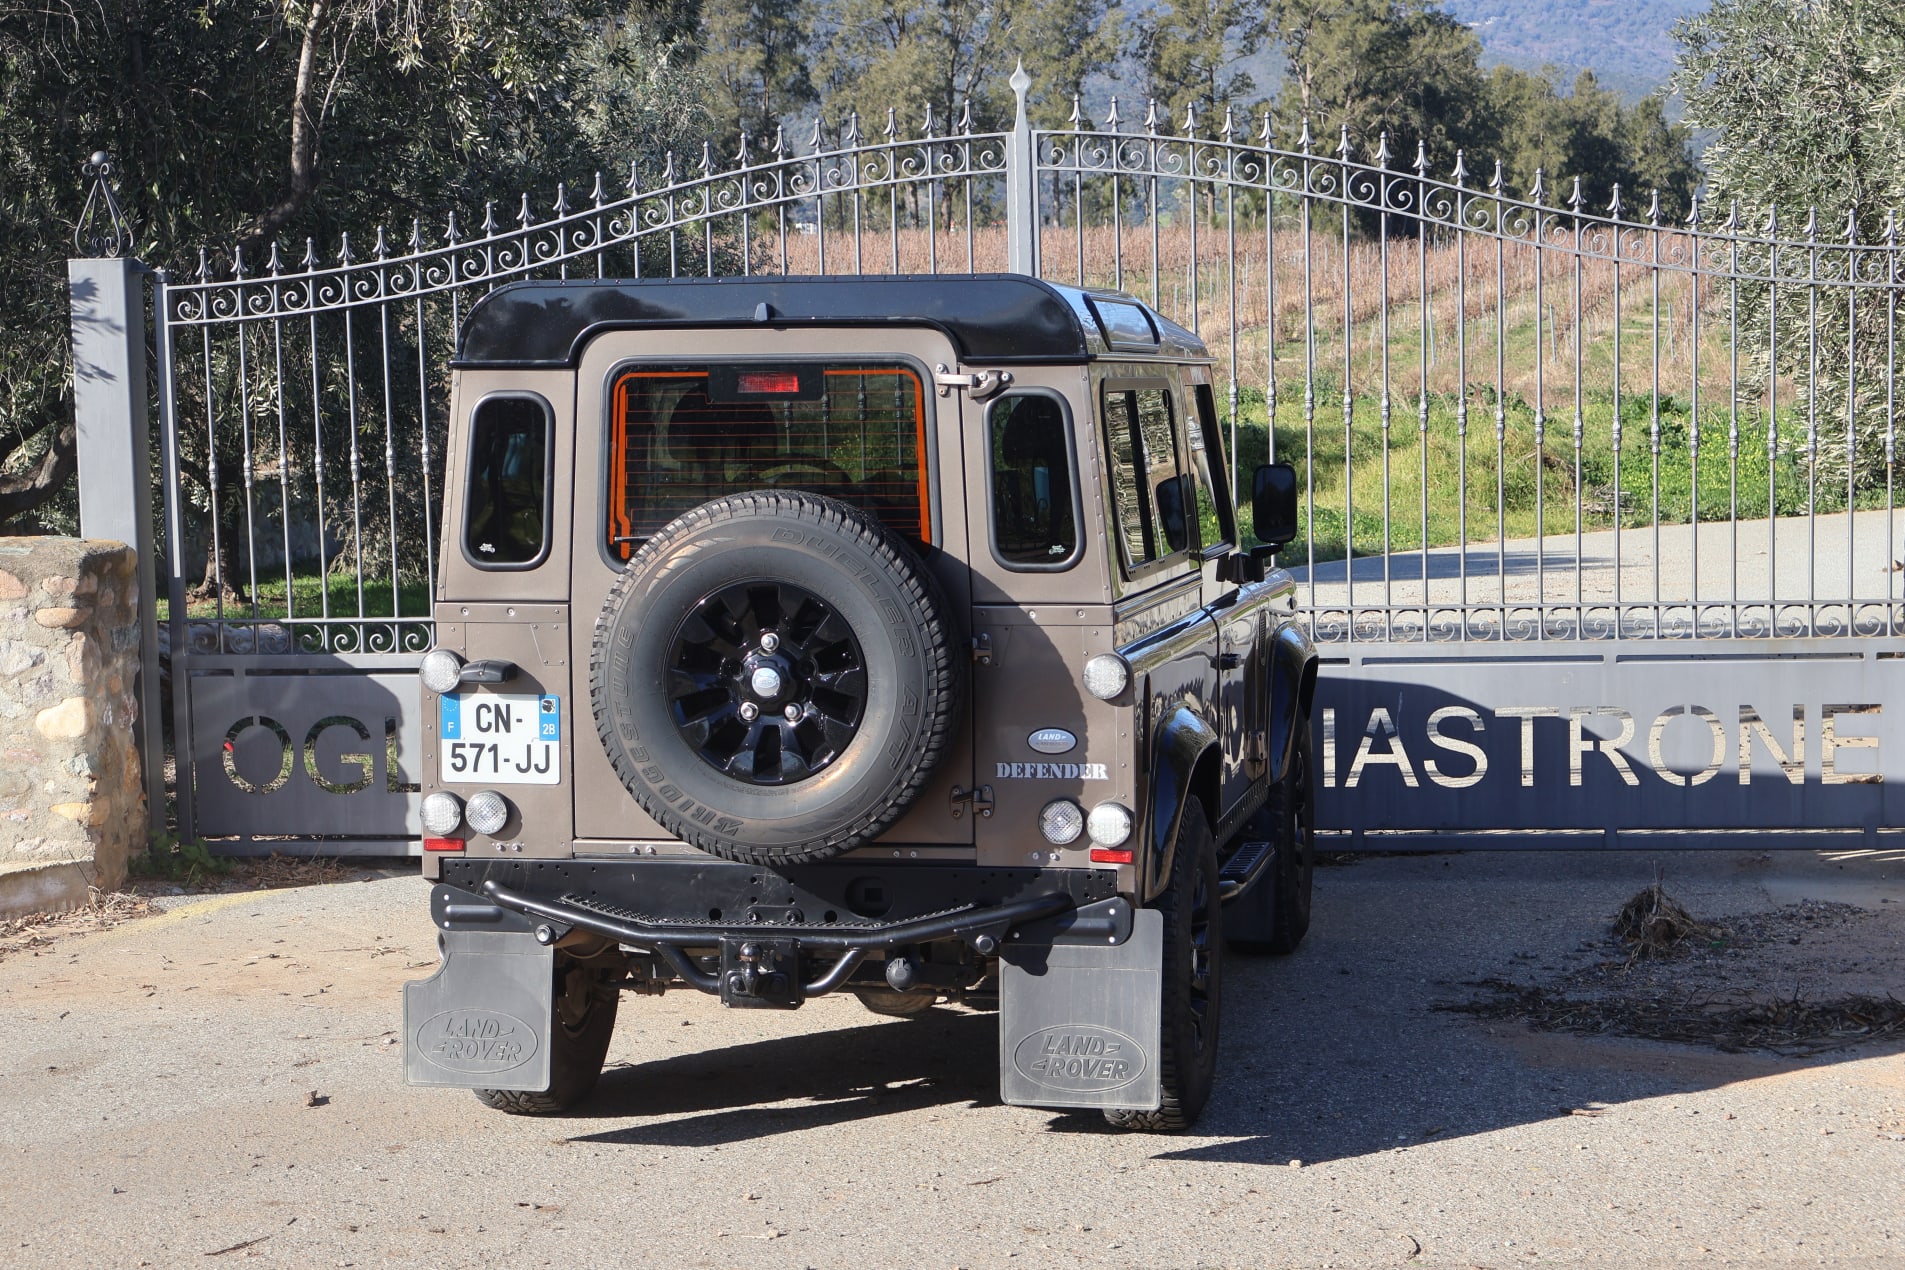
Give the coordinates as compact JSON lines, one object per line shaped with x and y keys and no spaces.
{"x":1245,"y":866}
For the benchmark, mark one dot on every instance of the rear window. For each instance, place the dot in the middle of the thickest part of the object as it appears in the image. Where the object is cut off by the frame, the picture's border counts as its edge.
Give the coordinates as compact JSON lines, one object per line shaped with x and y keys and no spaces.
{"x":681,"y":435}
{"x":507,"y":500}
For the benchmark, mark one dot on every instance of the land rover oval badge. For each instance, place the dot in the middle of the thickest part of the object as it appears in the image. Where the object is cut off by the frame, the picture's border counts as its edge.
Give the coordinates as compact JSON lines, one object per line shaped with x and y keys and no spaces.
{"x":1079,"y":1058}
{"x":1052,"y":741}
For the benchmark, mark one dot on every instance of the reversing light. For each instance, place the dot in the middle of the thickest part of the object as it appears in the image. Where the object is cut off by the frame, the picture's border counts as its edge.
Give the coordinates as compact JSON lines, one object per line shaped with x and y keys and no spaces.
{"x":1106,"y":675}
{"x":487,"y":811}
{"x":1061,"y":821}
{"x":440,"y":671}
{"x":441,"y":814}
{"x":1109,"y":824}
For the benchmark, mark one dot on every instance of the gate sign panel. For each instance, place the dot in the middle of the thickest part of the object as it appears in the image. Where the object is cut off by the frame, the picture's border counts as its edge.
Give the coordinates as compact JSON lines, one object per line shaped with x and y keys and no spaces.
{"x":306,"y":747}
{"x":1612,"y":736}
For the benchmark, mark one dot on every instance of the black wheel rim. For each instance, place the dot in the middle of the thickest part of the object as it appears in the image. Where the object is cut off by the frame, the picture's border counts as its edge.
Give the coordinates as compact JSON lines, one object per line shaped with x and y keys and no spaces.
{"x":766,"y":682}
{"x":1202,"y":952}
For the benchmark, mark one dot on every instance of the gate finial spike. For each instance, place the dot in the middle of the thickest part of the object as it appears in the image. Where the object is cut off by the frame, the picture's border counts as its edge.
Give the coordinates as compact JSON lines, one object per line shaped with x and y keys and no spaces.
{"x":1891,"y":229}
{"x":1772,"y":222}
{"x":930,"y":125}
{"x":707,"y":158}
{"x":1422,"y":157}
{"x":1460,"y":172}
{"x":344,"y":255}
{"x":380,"y":250}
{"x":1495,"y":181}
{"x":1614,"y":202}
{"x":1539,"y":188}
{"x":272,"y":262}
{"x":852,"y":139}
{"x":1732,"y":216}
{"x":1230,"y":125}
{"x":310,"y":261}
{"x":238,"y":262}
{"x":1575,"y":197}
{"x":1653,"y":208}
{"x":965,"y":116}
{"x":892,"y":124}
{"x":1021,"y":84}
{"x":1263,"y":127}
{"x":1111,"y":116}
{"x":1151,"y":115}
{"x":1303,"y":141}
{"x":1382,"y":147}
{"x":561,"y":208}
{"x":668,"y":168}
{"x":1852,"y":224}
{"x":779,"y":148}
{"x":488,"y":227}
{"x":524,"y":216}
{"x":816,"y":141}
{"x":1190,"y":119}
{"x":1693,"y":211}
{"x":416,"y":237}
{"x":634,"y":182}
{"x":204,"y":266}
{"x":741,"y":158}
{"x":1078,"y":113}
{"x":596,"y":192}
{"x":102,"y":199}
{"x":1342,"y":142}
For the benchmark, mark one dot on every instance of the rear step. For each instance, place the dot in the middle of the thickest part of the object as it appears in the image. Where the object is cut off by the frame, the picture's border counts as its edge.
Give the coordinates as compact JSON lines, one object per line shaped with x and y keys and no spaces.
{"x":1246,"y":864}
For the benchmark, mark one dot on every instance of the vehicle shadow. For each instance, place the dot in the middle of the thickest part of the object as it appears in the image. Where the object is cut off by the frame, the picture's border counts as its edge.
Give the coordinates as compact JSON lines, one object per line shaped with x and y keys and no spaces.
{"x":947,"y":1057}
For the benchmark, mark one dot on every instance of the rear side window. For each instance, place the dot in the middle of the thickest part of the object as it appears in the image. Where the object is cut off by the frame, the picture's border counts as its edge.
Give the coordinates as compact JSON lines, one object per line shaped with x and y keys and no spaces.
{"x":1148,"y":483}
{"x":682,"y":435}
{"x":1033,"y":522}
{"x":506,"y":519}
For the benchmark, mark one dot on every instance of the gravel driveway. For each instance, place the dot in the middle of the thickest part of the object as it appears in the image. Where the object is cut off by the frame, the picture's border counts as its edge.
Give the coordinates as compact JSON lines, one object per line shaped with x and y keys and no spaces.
{"x":157,"y":1077}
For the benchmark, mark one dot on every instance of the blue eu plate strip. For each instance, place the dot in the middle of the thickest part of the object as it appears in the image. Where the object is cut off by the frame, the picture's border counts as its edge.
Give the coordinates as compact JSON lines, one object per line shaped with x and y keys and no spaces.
{"x":450,"y":716}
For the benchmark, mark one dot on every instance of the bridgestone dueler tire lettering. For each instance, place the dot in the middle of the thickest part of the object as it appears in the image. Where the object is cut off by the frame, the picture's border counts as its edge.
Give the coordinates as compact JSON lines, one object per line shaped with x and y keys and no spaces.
{"x":914,"y":700}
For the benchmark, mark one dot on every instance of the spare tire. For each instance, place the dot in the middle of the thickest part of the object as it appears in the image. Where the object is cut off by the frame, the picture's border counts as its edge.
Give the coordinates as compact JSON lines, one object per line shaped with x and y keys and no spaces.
{"x":773,"y":677}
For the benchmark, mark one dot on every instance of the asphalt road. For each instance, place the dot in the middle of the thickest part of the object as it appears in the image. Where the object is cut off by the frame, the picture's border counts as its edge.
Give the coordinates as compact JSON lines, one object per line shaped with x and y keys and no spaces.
{"x":154,"y":1082}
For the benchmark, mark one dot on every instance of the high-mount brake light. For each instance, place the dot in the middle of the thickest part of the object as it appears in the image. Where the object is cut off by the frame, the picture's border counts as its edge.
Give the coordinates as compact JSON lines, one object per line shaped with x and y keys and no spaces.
{"x":768,"y":382}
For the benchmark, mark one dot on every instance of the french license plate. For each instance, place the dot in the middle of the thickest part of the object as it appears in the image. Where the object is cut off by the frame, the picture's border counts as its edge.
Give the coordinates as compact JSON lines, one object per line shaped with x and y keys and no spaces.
{"x":504,"y":740}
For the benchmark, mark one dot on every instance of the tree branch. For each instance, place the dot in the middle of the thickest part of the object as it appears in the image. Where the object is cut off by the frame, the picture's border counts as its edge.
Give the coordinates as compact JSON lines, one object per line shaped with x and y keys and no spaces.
{"x":25,"y":492}
{"x":304,"y":135}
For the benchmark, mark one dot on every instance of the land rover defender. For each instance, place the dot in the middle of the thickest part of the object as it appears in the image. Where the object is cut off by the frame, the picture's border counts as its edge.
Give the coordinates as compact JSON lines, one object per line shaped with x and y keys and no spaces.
{"x":883,"y":635}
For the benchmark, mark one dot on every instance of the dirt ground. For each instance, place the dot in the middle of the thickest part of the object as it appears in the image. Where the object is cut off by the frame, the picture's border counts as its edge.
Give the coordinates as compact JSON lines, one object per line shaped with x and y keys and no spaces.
{"x":221,"y":1082}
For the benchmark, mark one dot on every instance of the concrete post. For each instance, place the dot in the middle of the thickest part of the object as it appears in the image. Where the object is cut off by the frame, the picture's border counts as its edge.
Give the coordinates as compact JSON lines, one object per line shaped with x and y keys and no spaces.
{"x":108,"y":306}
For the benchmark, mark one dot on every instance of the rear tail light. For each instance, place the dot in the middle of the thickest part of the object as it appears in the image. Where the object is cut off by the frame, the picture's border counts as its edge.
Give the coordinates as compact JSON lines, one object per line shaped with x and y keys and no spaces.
{"x":1111,"y":855}
{"x":443,"y":844}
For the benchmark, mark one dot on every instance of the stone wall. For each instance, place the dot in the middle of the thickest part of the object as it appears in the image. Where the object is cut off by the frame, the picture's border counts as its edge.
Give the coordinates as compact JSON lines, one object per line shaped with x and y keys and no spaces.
{"x":72,"y":802}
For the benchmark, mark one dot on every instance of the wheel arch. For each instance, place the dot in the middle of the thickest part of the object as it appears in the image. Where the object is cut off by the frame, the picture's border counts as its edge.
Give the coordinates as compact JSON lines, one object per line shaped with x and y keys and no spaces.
{"x":1293,"y":667}
{"x":1187,"y":765}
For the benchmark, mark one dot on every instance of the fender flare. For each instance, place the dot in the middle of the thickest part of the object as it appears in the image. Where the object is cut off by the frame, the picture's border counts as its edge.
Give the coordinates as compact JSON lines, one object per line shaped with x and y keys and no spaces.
{"x":1293,"y":665}
{"x":1184,"y":741}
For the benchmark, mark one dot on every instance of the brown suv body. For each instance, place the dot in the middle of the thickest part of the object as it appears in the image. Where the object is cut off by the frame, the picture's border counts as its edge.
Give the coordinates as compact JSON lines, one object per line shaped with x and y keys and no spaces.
{"x":1000,"y":407}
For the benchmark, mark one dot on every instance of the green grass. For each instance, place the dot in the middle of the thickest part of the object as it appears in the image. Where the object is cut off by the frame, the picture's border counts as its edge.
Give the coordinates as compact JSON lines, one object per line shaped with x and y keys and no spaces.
{"x":309,"y":593}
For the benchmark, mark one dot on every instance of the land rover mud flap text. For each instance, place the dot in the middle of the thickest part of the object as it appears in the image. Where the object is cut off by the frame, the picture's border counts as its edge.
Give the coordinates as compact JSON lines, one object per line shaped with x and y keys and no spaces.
{"x":482,"y":1021}
{"x":1079,"y":1023}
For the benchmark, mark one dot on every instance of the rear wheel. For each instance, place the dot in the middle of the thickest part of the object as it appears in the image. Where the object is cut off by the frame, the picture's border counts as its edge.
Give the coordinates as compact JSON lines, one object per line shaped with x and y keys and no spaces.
{"x":586,"y":1000}
{"x":1193,"y":979}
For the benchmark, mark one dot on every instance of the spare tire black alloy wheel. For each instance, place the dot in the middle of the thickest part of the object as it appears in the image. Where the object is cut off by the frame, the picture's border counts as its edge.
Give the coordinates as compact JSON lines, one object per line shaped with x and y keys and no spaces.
{"x":773,"y":677}
{"x":767,"y":682}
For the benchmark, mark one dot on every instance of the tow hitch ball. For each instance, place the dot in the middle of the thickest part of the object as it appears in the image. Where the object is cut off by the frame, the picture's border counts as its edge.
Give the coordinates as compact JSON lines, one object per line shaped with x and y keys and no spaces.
{"x":759,"y":972}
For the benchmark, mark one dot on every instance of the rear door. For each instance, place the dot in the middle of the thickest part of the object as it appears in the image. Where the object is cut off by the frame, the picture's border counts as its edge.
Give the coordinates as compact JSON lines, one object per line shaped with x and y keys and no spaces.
{"x":670,"y":419}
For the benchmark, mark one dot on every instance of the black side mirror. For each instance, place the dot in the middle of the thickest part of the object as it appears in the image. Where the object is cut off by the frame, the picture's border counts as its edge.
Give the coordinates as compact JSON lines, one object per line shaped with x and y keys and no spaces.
{"x":1273,"y":504}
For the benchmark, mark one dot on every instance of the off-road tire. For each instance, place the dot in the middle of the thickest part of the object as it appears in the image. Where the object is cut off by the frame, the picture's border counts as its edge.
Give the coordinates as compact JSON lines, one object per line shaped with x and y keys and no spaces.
{"x":1275,"y":915}
{"x":1192,"y":1005}
{"x":870,"y":580}
{"x":585,"y":1004}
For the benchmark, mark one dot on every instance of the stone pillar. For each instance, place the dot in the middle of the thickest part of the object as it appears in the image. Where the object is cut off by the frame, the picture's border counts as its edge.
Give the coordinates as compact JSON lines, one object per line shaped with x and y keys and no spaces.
{"x":72,"y":801}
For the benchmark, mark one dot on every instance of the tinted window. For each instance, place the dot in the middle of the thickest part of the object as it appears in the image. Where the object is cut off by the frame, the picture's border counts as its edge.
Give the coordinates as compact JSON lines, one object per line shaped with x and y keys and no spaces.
{"x":1032,"y":519}
{"x":505,"y":522}
{"x":1207,"y":471}
{"x":682,"y":435}
{"x":1147,"y":481}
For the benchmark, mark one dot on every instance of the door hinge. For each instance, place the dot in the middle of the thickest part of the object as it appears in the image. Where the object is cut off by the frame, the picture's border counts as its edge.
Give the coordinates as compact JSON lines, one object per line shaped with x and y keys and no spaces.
{"x":981,"y":384}
{"x":1257,"y":752}
{"x":982,"y":648}
{"x":979,"y":799}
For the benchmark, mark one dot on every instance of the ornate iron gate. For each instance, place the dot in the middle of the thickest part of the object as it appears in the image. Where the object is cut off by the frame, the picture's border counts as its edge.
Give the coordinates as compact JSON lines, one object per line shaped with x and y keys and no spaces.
{"x":1600,"y":506}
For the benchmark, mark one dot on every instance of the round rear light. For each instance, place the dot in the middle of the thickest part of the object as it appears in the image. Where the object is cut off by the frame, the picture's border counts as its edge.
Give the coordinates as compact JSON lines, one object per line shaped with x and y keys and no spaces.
{"x":441,"y":670}
{"x":1109,"y":824}
{"x":441,"y":814}
{"x":1106,"y":675}
{"x":487,"y":811}
{"x":1061,"y":821}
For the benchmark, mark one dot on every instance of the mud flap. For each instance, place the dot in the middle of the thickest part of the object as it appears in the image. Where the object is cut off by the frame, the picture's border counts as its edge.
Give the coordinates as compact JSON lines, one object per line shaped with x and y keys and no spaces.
{"x":482,"y":1021}
{"x":1080,"y":1024}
